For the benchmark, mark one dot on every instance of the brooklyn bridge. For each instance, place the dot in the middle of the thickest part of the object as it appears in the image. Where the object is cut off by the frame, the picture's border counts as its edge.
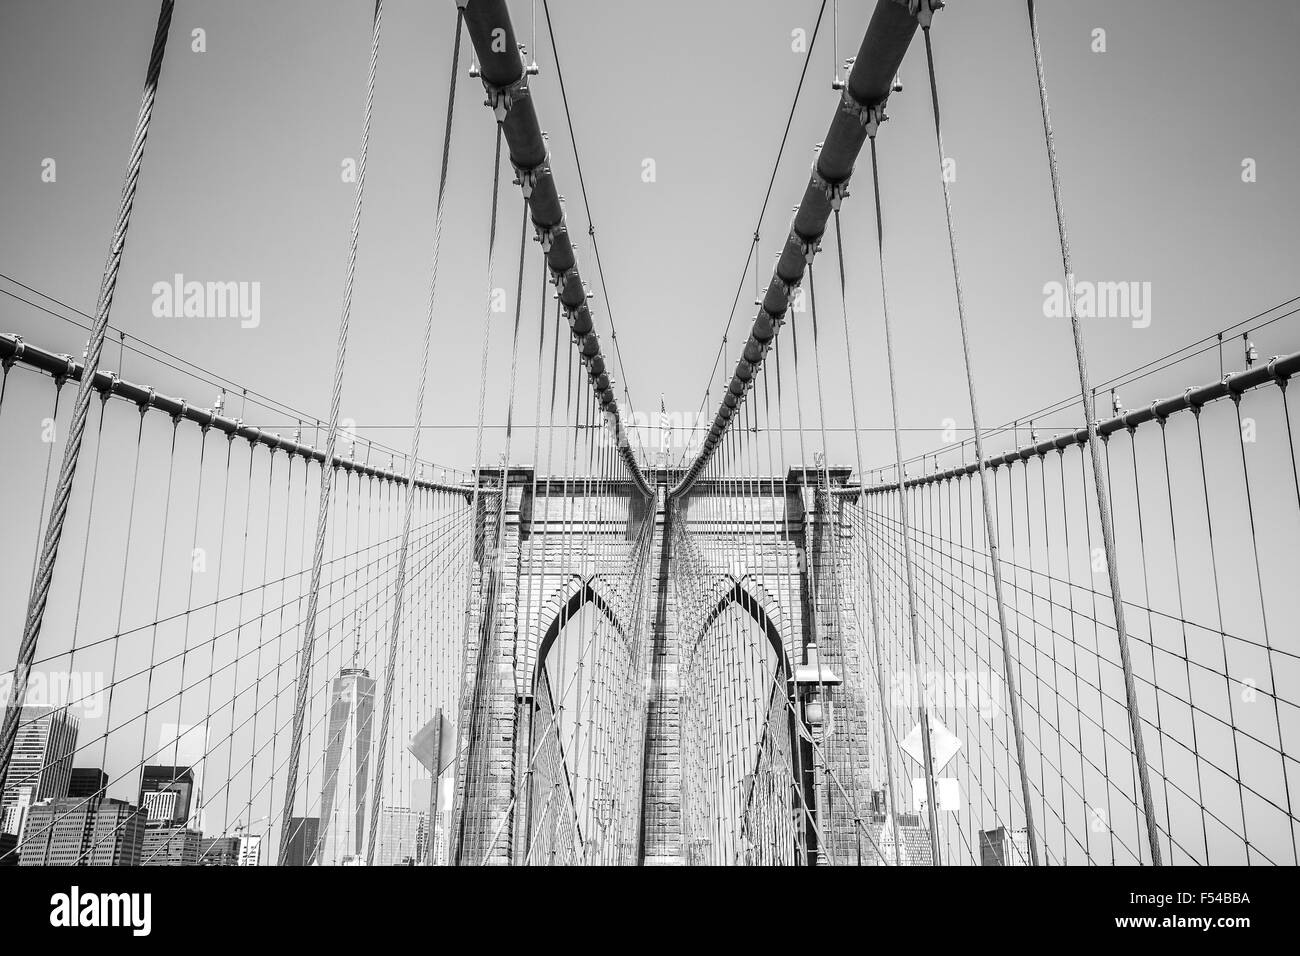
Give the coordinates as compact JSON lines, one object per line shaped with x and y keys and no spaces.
{"x":569,"y":627}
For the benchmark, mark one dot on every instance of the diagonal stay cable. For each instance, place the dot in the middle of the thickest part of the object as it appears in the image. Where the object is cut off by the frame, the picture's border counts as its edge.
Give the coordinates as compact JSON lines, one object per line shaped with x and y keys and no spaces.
{"x":990,"y":524}
{"x":767,"y":198}
{"x":1094,"y":448}
{"x":72,"y":450}
{"x":409,"y":507}
{"x":331,"y":437}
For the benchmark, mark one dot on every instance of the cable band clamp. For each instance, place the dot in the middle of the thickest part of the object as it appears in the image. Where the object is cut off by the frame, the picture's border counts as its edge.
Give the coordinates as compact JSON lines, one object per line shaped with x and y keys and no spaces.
{"x":69,"y":367}
{"x":502,"y":98}
{"x":527,"y":178}
{"x":809,"y":247}
{"x":834,"y":192}
{"x":19,"y":348}
{"x":1273,"y":373}
{"x":869,"y":115}
{"x":546,"y":235}
{"x":787,"y":290}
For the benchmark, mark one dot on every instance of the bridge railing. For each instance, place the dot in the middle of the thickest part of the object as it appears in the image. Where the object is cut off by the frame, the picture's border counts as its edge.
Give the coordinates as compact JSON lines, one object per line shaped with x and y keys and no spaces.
{"x":168,"y":654}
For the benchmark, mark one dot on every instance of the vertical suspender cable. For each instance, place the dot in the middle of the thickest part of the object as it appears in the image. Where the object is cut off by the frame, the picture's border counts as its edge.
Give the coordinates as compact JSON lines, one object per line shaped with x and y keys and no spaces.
{"x":487,"y":592}
{"x":412,"y":469}
{"x":990,"y":525}
{"x":76,"y":429}
{"x":1103,"y":493}
{"x":922,"y":711}
{"x":327,"y":472}
{"x":862,"y":505}
{"x":501,"y":518}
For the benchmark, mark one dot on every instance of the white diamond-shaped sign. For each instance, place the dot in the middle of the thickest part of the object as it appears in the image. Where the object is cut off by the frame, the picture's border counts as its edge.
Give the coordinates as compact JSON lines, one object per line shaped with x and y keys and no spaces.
{"x":943,"y":745}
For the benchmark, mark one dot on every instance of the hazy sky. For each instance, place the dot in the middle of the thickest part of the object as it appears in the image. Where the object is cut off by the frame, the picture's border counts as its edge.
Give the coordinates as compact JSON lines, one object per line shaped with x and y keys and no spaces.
{"x":241,"y":182}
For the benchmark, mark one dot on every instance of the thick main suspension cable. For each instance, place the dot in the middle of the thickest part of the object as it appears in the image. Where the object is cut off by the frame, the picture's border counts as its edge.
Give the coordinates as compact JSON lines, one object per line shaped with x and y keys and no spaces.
{"x":861,"y":107}
{"x":505,"y":79}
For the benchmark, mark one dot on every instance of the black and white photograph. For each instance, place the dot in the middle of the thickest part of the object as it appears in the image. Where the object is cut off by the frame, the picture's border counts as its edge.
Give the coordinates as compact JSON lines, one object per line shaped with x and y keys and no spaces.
{"x":676,"y":434}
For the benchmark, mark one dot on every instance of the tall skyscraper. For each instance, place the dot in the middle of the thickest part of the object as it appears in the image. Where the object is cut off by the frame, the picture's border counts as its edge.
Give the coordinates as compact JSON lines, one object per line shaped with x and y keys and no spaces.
{"x":87,"y":782}
{"x":347,"y":767}
{"x":400,"y":837}
{"x":75,"y":831}
{"x":1003,"y":847}
{"x":41,"y":767}
{"x":186,"y":745}
{"x":167,"y":794}
{"x":303,"y":832}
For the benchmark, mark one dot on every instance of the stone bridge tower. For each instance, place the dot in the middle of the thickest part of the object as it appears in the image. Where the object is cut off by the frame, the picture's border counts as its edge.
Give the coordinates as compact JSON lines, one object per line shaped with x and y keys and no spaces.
{"x":564,"y":547}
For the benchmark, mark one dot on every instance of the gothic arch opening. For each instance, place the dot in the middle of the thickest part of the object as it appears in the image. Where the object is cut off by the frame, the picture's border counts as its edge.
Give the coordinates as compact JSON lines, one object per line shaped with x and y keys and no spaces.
{"x":742,"y":595}
{"x":582,"y":746}
{"x":740,"y":763}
